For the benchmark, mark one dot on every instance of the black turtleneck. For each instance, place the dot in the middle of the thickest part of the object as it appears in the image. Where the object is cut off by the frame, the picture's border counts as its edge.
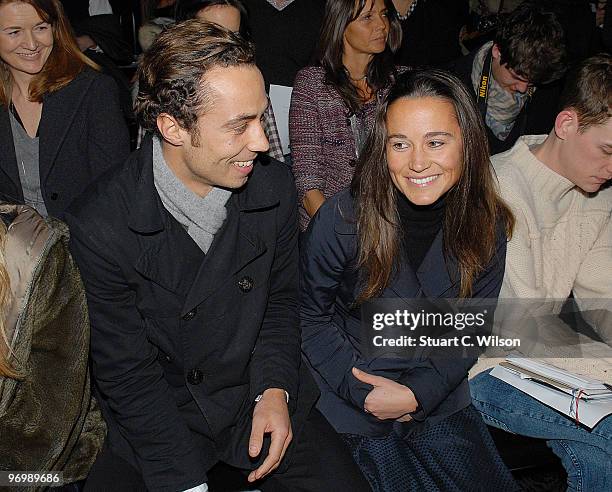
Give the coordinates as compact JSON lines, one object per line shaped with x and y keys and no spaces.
{"x":420,"y":226}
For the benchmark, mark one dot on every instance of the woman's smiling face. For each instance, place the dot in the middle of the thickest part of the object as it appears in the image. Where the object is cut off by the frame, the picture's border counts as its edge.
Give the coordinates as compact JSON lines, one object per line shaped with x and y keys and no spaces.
{"x":26,"y":40}
{"x":424,"y":147}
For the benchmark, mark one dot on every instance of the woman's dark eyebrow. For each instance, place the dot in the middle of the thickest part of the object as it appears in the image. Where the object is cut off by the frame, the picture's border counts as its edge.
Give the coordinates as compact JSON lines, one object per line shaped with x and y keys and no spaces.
{"x":427,"y":135}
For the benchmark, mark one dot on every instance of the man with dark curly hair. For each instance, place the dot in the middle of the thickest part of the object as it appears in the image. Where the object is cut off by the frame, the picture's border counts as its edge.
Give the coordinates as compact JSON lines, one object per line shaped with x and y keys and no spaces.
{"x":513,"y":77}
{"x":189,"y":258}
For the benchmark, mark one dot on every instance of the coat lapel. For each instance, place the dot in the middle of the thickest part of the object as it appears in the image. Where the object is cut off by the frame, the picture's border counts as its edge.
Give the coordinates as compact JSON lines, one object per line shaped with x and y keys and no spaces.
{"x":234,"y":247}
{"x":8,"y":159}
{"x":169,"y":256}
{"x":405,"y":284}
{"x":431,"y":279}
{"x":238,"y":242}
{"x":59,"y":110}
{"x":171,"y":259}
{"x":433,"y":274}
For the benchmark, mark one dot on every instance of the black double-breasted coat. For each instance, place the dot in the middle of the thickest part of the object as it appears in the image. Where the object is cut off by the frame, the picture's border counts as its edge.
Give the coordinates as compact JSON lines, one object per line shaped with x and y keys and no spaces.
{"x":183,"y":342}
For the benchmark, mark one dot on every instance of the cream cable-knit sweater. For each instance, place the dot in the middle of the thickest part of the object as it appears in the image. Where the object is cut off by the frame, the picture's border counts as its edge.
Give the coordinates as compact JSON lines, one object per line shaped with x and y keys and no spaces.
{"x":562,"y":242}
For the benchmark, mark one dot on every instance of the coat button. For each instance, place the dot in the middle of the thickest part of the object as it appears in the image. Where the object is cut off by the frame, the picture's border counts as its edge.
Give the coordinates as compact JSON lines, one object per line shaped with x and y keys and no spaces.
{"x":168,"y":359}
{"x":195,"y":377}
{"x":245,"y":284}
{"x":190,"y":315}
{"x":53,"y":196}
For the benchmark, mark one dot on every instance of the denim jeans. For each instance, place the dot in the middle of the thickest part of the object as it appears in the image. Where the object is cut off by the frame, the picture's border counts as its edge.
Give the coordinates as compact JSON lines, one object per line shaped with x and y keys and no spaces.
{"x":586,"y":455}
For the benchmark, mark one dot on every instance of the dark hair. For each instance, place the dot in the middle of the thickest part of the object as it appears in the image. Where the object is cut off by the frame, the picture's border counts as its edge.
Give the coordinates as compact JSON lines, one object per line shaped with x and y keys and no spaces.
{"x":65,"y":61}
{"x":531,"y":41}
{"x":188,"y":9}
{"x":588,"y":91}
{"x":172,"y":72}
{"x":380,"y":73}
{"x":472,"y":209}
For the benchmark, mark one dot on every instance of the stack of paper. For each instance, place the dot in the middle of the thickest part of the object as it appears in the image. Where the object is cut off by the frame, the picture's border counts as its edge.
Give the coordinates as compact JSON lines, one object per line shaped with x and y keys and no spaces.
{"x":558,"y":388}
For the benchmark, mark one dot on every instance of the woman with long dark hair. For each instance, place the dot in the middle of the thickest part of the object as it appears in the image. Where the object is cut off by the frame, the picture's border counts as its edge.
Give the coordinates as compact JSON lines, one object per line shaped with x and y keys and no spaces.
{"x":421,"y":220}
{"x":333,"y":104}
{"x":61,"y":125}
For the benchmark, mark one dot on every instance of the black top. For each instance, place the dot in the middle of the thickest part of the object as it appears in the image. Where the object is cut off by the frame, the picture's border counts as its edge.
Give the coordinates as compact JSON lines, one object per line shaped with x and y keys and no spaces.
{"x":420,"y":226}
{"x":285,"y":40}
{"x":430,"y":36}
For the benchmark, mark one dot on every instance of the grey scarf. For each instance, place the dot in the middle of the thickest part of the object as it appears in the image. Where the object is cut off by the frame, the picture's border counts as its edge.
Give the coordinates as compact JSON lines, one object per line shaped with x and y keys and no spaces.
{"x":201,"y":217}
{"x":280,"y":4}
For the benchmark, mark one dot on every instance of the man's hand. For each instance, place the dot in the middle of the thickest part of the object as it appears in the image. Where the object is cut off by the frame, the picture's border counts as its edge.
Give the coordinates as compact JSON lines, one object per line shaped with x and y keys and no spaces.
{"x":270,"y":416}
{"x":388,"y":399}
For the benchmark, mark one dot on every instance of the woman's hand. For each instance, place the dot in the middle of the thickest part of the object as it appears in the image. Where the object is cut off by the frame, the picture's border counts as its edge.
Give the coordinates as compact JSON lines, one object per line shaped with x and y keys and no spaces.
{"x":313,"y":199}
{"x":388,"y":399}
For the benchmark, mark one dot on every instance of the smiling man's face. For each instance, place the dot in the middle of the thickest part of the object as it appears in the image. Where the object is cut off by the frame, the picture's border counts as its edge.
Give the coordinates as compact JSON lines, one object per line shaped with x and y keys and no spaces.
{"x":228,"y":135}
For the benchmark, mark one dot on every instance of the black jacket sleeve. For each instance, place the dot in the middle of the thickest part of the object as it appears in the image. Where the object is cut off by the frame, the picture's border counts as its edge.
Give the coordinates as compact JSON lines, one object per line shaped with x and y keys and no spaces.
{"x":276,"y":358}
{"x":107,"y":134}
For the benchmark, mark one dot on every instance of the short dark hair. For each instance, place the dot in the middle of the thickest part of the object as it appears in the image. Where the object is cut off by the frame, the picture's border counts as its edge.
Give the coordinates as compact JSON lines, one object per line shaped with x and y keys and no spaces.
{"x":338,"y":15}
{"x":531,"y":41}
{"x":173,"y":69}
{"x":588,"y":91}
{"x":188,"y":9}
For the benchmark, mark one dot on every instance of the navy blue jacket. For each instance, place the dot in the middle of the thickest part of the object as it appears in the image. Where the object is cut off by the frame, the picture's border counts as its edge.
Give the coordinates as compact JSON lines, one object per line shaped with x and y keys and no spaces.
{"x":331,"y":329}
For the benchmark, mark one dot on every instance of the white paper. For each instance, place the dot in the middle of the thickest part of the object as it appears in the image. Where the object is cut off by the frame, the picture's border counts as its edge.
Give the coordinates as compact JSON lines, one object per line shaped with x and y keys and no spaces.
{"x":556,"y":373}
{"x":589,"y":412}
{"x":280,"y":96}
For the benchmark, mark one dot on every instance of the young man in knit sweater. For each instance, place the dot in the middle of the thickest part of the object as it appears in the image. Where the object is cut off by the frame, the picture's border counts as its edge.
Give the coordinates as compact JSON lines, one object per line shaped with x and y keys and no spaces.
{"x":558,"y":187}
